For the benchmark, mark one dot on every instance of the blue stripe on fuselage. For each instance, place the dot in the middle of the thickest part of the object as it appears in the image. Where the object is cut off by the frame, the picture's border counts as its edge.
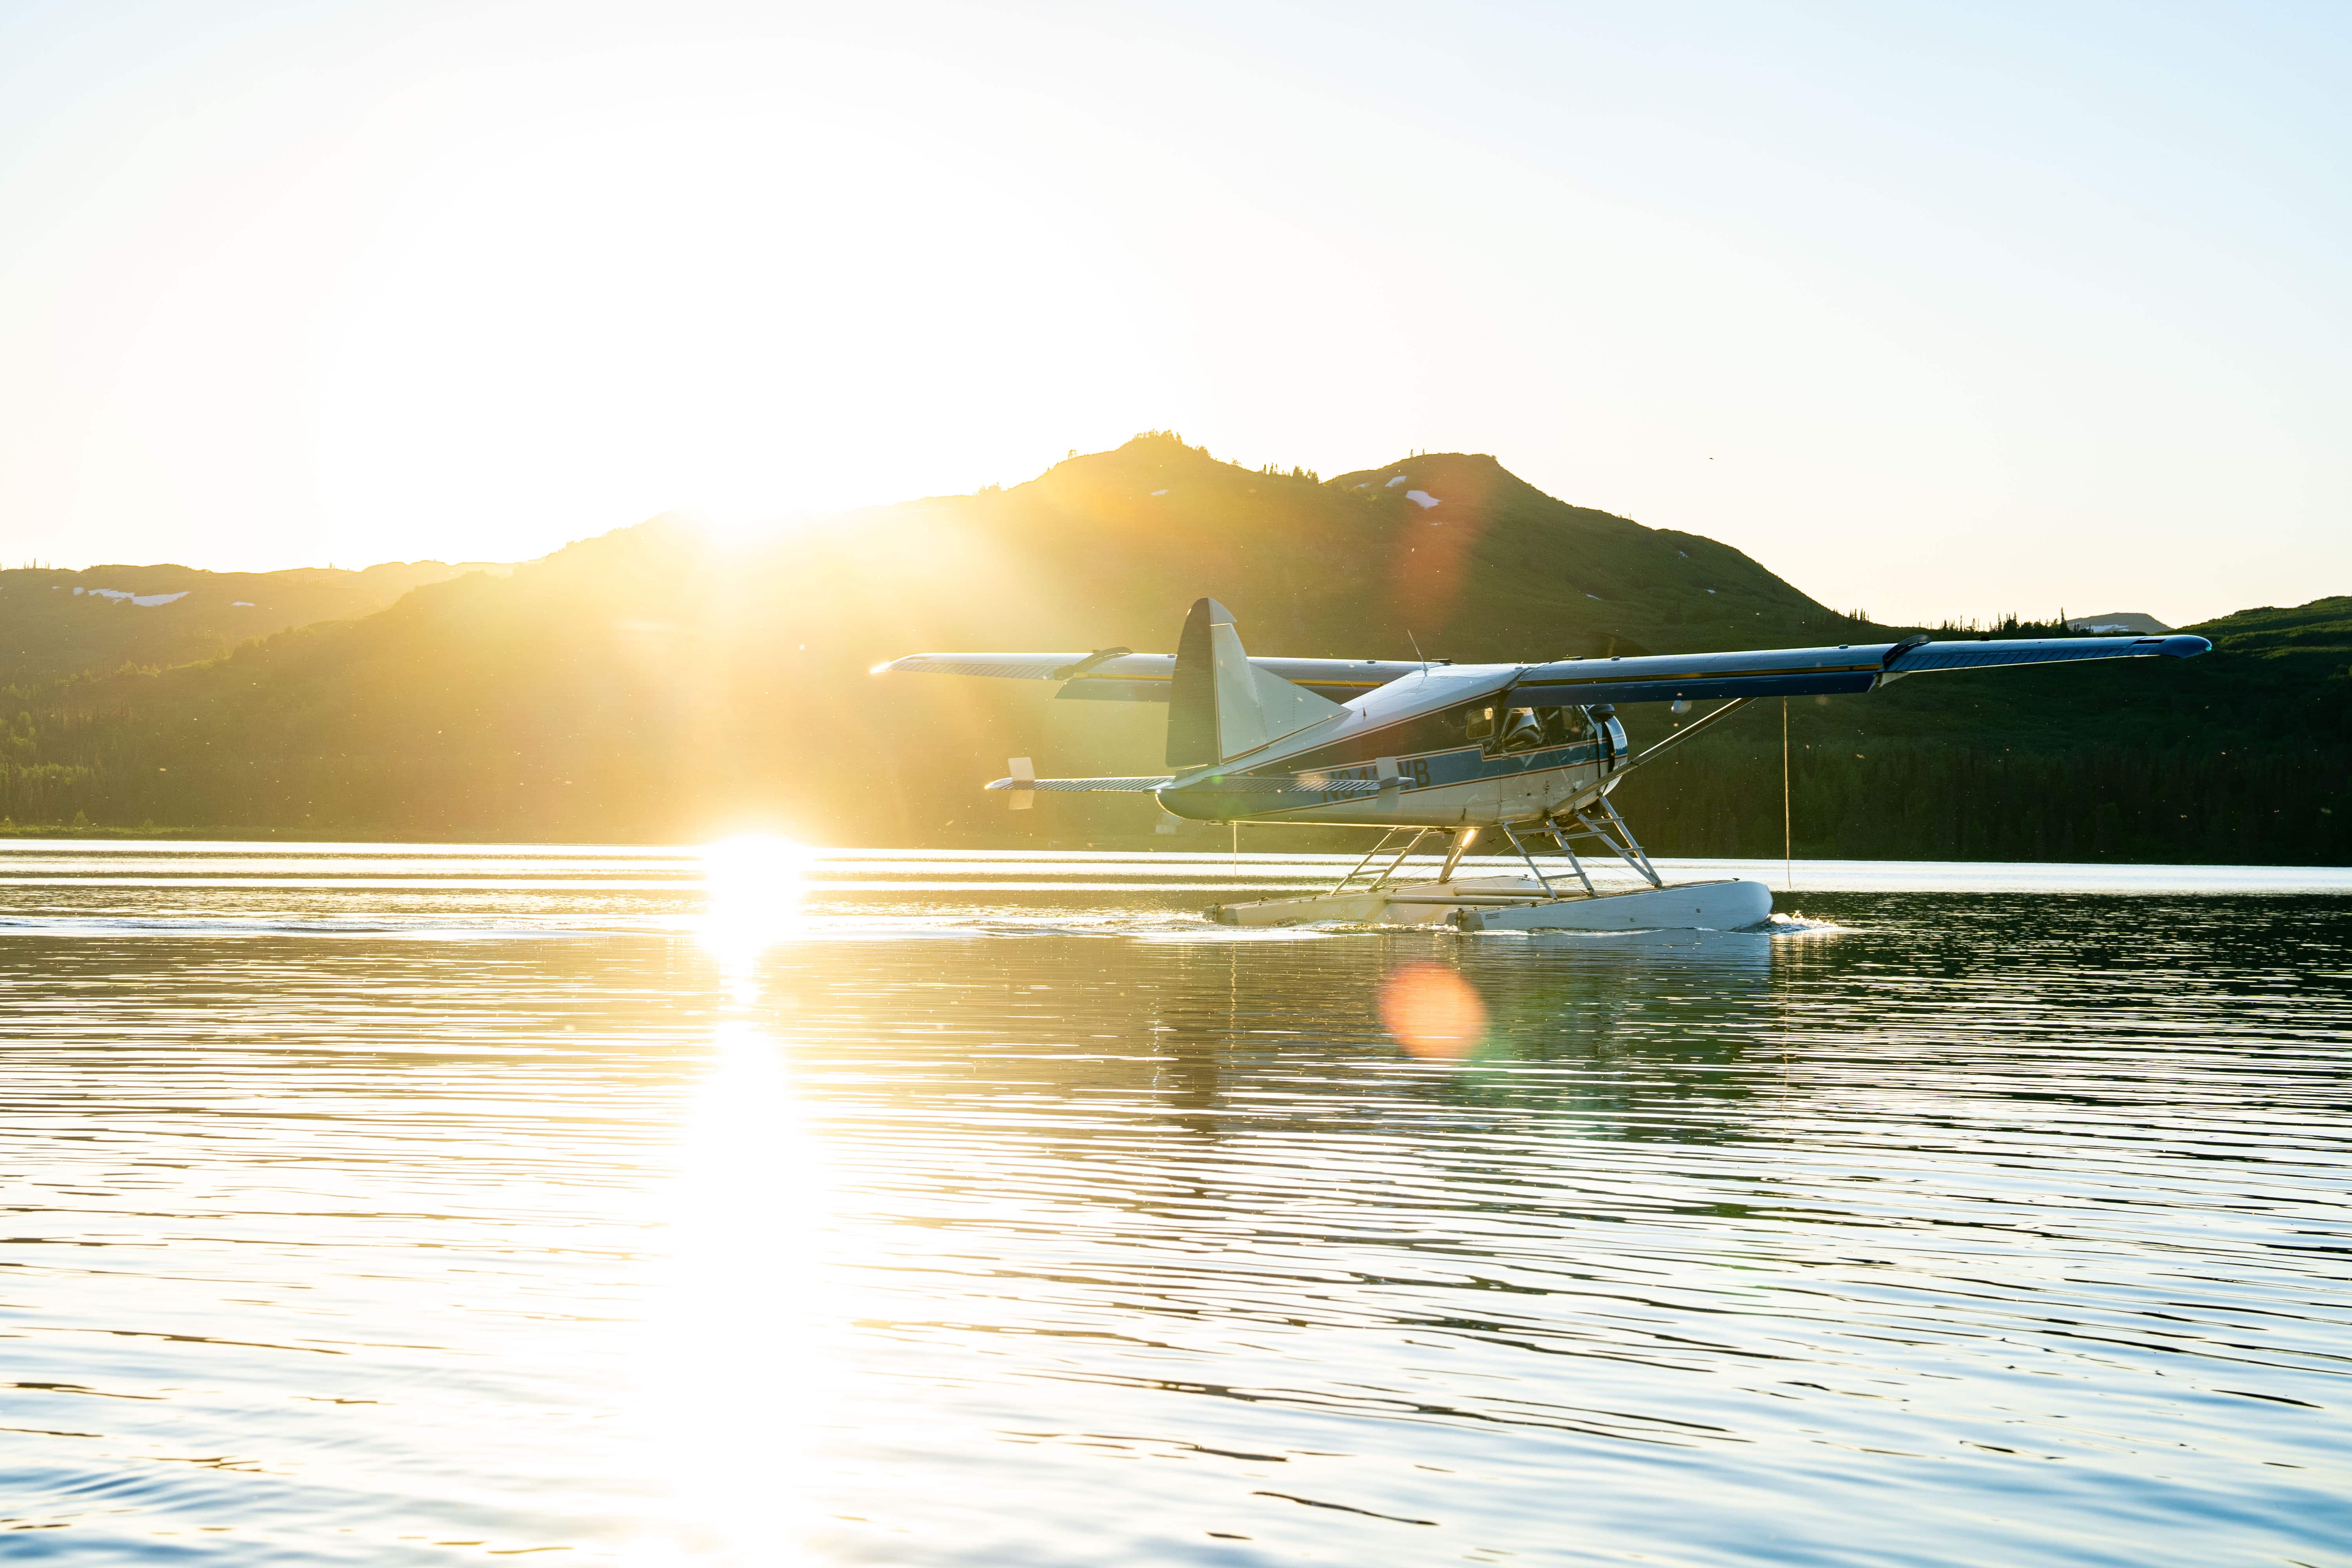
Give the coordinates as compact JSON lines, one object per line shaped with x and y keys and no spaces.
{"x":1429,"y":769}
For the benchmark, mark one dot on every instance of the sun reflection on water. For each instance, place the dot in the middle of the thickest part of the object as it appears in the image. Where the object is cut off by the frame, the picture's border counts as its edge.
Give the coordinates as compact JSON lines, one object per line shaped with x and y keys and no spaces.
{"x":741,"y":1373}
{"x":739,"y":1370}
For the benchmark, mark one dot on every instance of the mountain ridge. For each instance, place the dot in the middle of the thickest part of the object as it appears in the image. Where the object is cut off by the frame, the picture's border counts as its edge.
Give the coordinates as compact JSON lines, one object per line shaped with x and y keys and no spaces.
{"x":56,"y":622}
{"x":651,"y":684}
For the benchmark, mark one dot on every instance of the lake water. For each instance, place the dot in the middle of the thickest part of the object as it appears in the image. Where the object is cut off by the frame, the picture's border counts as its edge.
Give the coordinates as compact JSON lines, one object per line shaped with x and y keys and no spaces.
{"x":414,"y":1205}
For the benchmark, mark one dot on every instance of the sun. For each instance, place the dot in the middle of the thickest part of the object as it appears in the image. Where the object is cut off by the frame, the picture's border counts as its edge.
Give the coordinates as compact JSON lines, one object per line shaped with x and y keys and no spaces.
{"x":753,"y":886}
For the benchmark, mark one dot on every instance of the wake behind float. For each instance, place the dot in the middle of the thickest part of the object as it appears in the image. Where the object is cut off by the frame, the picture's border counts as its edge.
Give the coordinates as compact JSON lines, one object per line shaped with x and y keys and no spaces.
{"x":1417,"y":747}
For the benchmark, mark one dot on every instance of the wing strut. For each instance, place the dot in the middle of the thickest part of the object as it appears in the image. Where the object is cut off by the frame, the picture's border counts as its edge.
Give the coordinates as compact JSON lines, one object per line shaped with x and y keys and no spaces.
{"x":1685,"y":733}
{"x":1585,"y":800}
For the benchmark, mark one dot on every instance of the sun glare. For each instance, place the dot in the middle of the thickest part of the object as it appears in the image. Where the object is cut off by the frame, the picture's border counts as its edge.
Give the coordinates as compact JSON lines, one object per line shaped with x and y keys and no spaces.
{"x":751,"y":889}
{"x":752,"y":526}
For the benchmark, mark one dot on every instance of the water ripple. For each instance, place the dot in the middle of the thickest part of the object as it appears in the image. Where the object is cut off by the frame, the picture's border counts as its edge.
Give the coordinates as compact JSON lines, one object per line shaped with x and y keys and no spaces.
{"x":414,"y":1205}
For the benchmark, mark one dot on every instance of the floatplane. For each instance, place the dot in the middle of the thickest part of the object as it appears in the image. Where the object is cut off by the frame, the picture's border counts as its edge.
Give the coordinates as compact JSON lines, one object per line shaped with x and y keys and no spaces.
{"x":1528,"y":752}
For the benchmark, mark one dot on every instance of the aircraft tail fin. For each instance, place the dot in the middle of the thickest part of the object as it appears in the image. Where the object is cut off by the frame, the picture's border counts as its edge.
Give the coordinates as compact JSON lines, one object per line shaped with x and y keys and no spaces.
{"x":1221,"y":706}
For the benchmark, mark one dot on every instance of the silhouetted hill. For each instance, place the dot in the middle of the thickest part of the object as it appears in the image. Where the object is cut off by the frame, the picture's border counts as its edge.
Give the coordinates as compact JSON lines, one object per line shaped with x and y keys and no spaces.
{"x":2117,"y":623}
{"x":652,"y":685}
{"x":1499,"y":570}
{"x":56,"y":624}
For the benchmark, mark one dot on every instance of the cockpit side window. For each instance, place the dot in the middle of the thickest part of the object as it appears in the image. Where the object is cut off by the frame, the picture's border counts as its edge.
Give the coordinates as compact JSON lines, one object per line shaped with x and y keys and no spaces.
{"x":1476,"y":723}
{"x":1506,"y":732}
{"x":1515,"y":730}
{"x":1566,"y":726}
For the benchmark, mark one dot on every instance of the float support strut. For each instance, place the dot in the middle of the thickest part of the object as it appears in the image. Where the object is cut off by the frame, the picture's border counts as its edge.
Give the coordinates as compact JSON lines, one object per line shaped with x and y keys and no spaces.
{"x":1389,"y":871}
{"x":1341,"y":885}
{"x":1631,"y":849}
{"x":1530,"y":859}
{"x":1462,"y":838}
{"x":1575,"y":863}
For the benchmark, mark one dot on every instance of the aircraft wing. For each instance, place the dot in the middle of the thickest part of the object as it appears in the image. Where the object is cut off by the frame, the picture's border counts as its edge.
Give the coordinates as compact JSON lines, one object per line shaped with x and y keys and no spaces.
{"x":1919,"y":657}
{"x":1087,"y":787}
{"x":1003,"y":666}
{"x":1115,"y":675}
{"x":1803,"y":672}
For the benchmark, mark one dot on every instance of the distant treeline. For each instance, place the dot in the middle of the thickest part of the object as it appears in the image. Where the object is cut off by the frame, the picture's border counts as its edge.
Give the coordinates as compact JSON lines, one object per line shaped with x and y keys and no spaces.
{"x":1901,"y":799}
{"x":1931,"y":802}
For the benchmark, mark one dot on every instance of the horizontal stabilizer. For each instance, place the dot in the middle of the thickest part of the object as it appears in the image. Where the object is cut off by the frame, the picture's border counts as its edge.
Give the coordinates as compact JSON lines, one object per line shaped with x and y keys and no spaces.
{"x":1239,"y":784}
{"x":1087,"y":787}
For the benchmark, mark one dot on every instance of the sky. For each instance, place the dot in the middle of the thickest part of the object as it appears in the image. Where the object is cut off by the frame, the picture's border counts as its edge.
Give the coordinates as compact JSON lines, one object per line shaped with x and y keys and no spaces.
{"x":1937,"y":311}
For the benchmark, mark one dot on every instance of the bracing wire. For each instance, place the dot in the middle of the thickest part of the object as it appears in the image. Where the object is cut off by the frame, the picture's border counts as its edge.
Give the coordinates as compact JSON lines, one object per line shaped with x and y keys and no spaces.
{"x":1788,"y":832}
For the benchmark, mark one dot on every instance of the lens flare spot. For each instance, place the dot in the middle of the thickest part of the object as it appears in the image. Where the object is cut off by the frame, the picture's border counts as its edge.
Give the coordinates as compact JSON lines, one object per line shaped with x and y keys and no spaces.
{"x":1432,"y":1010}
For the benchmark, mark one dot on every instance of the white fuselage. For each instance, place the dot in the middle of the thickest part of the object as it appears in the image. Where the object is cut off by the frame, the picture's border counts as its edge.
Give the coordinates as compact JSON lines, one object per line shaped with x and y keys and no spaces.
{"x":1434,"y":749}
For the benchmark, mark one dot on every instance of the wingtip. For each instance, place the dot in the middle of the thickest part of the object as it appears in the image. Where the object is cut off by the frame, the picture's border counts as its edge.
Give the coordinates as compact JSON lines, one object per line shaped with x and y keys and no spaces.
{"x":2186,"y":645}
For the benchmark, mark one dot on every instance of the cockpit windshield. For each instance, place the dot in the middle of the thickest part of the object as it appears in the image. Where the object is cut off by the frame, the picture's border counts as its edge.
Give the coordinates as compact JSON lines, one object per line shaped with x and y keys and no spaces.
{"x":1489,"y":724}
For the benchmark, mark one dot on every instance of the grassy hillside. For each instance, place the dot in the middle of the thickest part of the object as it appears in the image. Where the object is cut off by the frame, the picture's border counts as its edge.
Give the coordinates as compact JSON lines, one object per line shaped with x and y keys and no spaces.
{"x":649,"y":684}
